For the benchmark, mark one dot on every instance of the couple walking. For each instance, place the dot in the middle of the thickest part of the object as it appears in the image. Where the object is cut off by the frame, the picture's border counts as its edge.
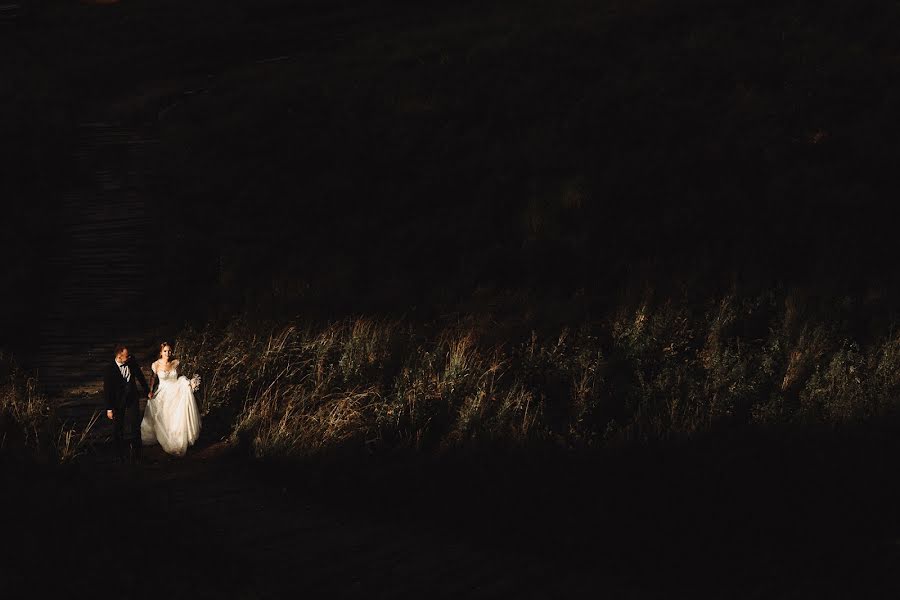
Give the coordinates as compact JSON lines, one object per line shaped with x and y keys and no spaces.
{"x":171,"y":418}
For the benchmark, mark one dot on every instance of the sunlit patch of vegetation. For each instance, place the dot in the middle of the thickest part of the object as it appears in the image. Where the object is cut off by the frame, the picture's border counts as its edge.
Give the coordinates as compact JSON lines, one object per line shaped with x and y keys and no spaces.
{"x":649,"y":372}
{"x":24,"y":411}
{"x":71,"y":441}
{"x":29,"y":429}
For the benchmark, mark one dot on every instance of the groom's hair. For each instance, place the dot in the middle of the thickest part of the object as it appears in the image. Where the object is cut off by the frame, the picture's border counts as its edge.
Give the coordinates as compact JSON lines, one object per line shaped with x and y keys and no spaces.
{"x":119,"y":348}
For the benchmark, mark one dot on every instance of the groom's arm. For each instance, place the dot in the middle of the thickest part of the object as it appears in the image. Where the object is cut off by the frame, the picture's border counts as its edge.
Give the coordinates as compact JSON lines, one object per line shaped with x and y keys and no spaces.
{"x":108,"y":389}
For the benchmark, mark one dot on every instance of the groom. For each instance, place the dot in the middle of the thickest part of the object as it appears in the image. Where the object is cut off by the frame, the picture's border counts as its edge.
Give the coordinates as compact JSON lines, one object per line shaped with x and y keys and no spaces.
{"x":122,"y":404}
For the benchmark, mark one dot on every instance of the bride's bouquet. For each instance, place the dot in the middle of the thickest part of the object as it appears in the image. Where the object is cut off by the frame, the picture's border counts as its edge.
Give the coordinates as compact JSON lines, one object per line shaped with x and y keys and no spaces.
{"x":195,"y":383}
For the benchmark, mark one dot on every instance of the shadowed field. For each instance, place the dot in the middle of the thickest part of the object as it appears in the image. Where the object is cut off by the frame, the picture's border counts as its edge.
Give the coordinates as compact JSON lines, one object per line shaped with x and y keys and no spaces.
{"x":804,"y":518}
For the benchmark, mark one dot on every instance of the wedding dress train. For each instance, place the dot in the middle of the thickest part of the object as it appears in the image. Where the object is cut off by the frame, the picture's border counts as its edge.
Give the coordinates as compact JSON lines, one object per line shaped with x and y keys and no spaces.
{"x":171,"y":418}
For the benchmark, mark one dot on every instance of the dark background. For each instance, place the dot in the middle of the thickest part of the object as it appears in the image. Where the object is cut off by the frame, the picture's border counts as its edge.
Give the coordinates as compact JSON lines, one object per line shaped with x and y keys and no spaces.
{"x":528,"y":161}
{"x":523,"y":165}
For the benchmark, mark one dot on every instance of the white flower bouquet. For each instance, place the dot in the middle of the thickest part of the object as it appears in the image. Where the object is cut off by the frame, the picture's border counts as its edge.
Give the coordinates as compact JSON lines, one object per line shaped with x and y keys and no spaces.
{"x":195,"y":383}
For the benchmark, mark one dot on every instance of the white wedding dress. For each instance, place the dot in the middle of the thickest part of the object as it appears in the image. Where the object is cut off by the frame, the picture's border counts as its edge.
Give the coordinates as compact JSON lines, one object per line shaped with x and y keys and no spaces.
{"x":171,"y":418}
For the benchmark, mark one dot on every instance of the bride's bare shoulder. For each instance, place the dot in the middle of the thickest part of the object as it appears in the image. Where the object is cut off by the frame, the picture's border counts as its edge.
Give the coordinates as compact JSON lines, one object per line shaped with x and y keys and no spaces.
{"x":175,"y":363}
{"x":153,"y":366}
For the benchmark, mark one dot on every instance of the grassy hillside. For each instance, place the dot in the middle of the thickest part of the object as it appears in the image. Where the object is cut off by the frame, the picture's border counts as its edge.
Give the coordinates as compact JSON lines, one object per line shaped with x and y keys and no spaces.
{"x":525,"y":158}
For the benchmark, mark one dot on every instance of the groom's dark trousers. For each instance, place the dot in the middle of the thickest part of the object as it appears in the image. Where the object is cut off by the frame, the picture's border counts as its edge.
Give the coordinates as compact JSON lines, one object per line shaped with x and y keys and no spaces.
{"x":122,"y":398}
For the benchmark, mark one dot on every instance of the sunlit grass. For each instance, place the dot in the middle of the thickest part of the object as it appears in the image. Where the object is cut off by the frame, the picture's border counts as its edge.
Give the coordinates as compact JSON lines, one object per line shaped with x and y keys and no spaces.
{"x":72,"y":442}
{"x":28,"y":427}
{"x":23,"y":408}
{"x":648,"y":372}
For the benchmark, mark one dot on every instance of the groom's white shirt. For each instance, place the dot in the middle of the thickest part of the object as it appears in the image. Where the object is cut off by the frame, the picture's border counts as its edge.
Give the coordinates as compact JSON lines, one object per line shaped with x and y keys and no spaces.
{"x":124,"y":370}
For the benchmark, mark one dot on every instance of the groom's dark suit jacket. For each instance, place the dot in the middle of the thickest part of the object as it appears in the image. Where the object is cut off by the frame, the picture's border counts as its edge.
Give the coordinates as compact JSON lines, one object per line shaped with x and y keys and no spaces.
{"x":119,"y":393}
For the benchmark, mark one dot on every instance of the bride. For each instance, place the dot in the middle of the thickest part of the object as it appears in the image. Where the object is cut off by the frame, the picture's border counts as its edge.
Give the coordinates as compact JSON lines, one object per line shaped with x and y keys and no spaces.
{"x":171,"y":417}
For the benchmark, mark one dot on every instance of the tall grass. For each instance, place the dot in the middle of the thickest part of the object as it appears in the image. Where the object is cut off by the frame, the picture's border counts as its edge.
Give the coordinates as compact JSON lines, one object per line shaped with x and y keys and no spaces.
{"x":28,"y":426}
{"x":72,"y":442}
{"x":651,"y":371}
{"x":24,"y":411}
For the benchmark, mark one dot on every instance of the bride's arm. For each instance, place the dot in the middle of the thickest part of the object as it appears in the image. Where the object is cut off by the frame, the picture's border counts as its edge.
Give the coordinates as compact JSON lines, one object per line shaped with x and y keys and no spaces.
{"x":175,"y":364}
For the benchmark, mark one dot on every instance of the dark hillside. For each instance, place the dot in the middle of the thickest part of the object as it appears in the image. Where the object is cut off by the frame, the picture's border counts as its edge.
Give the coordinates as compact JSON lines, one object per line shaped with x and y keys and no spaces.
{"x":528,"y":156}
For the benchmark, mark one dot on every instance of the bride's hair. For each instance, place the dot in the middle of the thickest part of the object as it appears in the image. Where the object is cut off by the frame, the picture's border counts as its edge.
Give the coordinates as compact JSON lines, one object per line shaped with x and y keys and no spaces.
{"x":171,"y":349}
